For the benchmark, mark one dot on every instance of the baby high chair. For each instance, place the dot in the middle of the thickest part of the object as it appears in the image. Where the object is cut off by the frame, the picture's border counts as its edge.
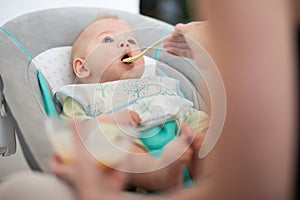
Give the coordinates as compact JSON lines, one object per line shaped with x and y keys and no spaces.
{"x":27,"y":85}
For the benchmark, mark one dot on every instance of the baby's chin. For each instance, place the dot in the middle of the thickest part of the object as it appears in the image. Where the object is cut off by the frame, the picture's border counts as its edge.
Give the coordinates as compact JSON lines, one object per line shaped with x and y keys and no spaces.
{"x":133,"y":74}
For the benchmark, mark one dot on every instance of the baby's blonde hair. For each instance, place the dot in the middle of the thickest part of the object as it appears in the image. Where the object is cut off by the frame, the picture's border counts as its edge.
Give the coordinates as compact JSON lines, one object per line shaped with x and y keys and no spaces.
{"x":77,"y":51}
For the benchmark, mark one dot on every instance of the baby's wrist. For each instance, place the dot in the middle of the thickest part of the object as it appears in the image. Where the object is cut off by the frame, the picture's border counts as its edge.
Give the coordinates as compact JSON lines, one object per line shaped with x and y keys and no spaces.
{"x":105,"y":118}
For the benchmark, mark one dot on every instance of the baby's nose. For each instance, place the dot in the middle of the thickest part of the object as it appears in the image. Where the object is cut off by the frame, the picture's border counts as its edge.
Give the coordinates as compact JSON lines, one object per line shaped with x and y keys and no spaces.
{"x":123,"y":44}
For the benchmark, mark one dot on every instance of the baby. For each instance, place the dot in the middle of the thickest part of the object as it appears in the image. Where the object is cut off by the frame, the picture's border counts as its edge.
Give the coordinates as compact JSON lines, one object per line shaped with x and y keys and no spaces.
{"x":97,"y":56}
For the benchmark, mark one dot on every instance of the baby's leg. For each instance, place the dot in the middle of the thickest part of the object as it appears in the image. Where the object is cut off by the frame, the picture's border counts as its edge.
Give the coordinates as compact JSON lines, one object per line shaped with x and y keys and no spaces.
{"x":195,"y":119}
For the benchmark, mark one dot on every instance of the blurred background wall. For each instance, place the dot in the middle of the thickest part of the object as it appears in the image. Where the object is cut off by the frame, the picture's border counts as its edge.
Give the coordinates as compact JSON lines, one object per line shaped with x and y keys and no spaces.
{"x":13,"y":8}
{"x":171,"y":11}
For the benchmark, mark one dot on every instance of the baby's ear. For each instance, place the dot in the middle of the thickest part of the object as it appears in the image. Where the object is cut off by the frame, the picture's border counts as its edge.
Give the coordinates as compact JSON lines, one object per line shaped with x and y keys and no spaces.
{"x":79,"y":69}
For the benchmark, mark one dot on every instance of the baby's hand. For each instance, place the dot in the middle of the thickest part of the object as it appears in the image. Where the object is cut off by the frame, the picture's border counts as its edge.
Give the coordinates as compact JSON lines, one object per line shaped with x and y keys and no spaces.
{"x":123,"y":117}
{"x":135,"y":117}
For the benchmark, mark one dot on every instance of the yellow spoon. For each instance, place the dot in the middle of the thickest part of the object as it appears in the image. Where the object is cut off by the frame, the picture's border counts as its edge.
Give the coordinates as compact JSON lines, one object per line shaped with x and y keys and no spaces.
{"x":134,"y":58}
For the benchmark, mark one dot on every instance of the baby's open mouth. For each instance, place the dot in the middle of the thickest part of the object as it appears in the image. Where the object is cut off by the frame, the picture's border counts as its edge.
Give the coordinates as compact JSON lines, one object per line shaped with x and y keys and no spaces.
{"x":126,"y":55}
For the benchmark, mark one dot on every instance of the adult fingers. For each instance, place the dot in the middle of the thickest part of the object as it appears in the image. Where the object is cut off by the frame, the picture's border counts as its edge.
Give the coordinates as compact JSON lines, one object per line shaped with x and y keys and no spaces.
{"x":180,"y":52}
{"x":187,"y":131}
{"x":179,"y":45}
{"x":198,"y":137}
{"x":61,"y":169}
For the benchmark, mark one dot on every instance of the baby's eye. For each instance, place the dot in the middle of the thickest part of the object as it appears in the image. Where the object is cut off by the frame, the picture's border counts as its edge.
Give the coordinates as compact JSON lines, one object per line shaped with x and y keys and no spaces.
{"x":131,"y":41}
{"x":107,"y":40}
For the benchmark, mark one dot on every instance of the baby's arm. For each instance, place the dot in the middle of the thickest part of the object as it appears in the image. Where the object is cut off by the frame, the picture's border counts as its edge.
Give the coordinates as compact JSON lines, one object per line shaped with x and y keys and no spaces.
{"x":72,"y":108}
{"x":123,"y":117}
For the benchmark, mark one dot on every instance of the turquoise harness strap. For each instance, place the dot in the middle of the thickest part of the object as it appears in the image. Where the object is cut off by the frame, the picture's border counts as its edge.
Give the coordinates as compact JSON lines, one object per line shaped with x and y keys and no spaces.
{"x":46,"y":96}
{"x":159,"y":136}
{"x":159,"y":46}
{"x":162,"y":72}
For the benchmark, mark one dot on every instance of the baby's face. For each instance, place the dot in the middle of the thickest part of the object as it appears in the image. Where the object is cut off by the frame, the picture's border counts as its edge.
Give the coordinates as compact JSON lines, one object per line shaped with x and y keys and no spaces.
{"x":109,"y":41}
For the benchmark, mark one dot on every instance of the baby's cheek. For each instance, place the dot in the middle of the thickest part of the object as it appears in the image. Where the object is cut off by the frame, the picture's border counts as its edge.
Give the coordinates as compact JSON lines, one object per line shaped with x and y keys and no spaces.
{"x":112,"y":73}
